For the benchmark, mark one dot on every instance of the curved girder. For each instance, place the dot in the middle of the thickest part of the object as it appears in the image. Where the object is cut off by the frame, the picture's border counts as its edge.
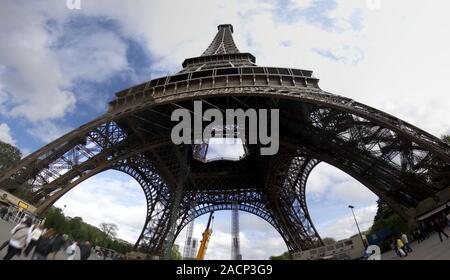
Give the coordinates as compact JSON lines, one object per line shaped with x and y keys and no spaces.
{"x":404,"y":165}
{"x":257,"y":210}
{"x":293,"y":198}
{"x":298,"y":87}
{"x":399,"y":162}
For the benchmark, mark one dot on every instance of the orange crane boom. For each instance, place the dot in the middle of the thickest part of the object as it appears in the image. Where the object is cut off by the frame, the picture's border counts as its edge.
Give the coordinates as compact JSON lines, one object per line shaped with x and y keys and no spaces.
{"x":205,"y":240}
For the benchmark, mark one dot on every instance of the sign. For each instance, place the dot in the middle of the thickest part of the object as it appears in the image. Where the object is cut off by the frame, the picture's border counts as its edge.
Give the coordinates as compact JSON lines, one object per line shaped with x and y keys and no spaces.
{"x":23,"y":205}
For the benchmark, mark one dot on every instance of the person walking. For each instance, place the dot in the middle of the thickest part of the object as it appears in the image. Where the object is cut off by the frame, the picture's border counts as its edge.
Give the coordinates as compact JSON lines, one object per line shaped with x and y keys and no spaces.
{"x":33,"y":238}
{"x":439,"y":227}
{"x":44,"y":245}
{"x":18,"y":240}
{"x":405,"y":241}
{"x":401,"y":248}
{"x":393,"y":244}
{"x":3,"y":212}
{"x":85,"y":250}
{"x":448,"y":219}
{"x":58,"y":244}
{"x":73,"y":252}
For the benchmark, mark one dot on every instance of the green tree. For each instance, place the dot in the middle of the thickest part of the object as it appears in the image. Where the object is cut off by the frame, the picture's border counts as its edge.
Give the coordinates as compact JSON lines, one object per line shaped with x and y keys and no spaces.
{"x":9,"y":155}
{"x":386,"y":218}
{"x":175,"y":254}
{"x":54,"y":218}
{"x":284,"y":256}
{"x":329,"y":241}
{"x":446,"y":138}
{"x":109,"y":229}
{"x":383,"y":211}
{"x":77,"y":229}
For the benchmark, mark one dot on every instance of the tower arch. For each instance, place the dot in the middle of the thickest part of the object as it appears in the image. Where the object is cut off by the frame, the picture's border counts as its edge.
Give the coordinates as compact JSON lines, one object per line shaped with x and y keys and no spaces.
{"x":406,"y":166}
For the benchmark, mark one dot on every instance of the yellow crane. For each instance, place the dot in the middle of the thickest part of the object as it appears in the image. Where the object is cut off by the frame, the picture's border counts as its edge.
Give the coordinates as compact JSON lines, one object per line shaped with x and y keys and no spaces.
{"x":206,"y":236}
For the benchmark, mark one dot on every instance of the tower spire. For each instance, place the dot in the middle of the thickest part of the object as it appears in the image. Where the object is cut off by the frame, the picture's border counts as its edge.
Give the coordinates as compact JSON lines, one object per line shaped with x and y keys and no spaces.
{"x":223,"y":43}
{"x":222,"y":52}
{"x":235,"y":243}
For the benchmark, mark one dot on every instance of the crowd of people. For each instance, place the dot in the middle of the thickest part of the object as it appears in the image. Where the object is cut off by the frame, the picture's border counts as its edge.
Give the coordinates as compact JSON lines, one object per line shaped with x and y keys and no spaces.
{"x":401,"y":244}
{"x":6,"y":213}
{"x":28,"y":237}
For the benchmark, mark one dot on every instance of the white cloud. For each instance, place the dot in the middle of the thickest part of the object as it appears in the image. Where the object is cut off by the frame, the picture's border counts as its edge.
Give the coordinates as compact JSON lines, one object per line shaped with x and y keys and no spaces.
{"x":377,"y":74}
{"x":47,"y":131}
{"x":259,"y":240}
{"x":38,"y":71}
{"x":351,"y":190}
{"x":96,"y":56}
{"x":5,"y":134}
{"x":385,"y":75}
{"x":328,"y":193}
{"x":109,"y":197}
{"x":345,"y":226}
{"x":329,"y":183}
{"x":32,"y":78}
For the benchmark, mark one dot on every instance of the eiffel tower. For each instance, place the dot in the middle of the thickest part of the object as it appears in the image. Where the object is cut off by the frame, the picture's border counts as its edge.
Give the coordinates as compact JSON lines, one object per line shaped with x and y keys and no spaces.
{"x":405,"y":166}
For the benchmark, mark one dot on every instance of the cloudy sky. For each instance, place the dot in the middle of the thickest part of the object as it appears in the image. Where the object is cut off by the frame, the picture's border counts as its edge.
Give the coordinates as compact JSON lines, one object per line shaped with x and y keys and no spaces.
{"x":59,"y":67}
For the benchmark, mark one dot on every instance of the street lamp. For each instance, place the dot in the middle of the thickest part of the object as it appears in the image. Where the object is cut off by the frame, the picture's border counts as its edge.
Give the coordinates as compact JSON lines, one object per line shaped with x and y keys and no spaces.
{"x":357,"y":226}
{"x":64,"y":208}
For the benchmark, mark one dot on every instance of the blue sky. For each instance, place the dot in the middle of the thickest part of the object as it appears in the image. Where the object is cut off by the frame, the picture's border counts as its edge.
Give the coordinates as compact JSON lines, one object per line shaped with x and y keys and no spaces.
{"x":60,"y":67}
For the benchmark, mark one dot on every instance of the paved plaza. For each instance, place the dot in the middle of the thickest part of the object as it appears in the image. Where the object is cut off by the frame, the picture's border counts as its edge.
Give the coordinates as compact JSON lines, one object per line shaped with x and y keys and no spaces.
{"x":430,"y":249}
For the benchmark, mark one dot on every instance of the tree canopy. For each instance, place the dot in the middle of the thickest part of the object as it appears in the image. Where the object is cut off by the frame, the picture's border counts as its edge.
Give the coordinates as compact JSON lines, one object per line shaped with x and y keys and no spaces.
{"x":77,"y":229}
{"x":386,"y":218}
{"x":284,"y":256}
{"x":446,"y":138}
{"x":175,"y":254}
{"x":9,"y":155}
{"x":329,"y":241}
{"x":109,"y":229}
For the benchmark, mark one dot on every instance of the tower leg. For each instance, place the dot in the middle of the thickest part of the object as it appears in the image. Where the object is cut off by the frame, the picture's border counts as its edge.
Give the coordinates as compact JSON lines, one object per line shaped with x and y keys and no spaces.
{"x":173,"y":221}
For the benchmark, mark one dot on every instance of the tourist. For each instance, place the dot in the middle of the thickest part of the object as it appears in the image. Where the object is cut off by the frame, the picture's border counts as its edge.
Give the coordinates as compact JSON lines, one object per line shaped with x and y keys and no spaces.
{"x":44,"y":245}
{"x":401,"y":248}
{"x":405,"y":241}
{"x":8,"y":215}
{"x":73,"y":252}
{"x":18,"y":240}
{"x":85,"y":250}
{"x":425,"y":230}
{"x":417,"y":235}
{"x":439,"y":227}
{"x":33,"y":238}
{"x":3,"y":211}
{"x":395,"y":248}
{"x":448,"y":219}
{"x":58,"y":244}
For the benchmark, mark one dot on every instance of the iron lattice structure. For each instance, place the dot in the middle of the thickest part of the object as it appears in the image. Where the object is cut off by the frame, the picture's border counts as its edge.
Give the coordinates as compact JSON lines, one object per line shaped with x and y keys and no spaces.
{"x":406,"y":167}
{"x":190,"y":244}
{"x":235,"y":240}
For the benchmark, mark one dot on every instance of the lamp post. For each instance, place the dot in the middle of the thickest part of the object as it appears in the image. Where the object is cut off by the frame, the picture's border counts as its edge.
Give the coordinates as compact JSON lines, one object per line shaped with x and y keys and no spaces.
{"x":357,"y":226}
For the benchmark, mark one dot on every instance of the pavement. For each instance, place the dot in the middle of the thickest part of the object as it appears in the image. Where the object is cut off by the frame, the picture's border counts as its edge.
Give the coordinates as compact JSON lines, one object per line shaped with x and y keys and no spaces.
{"x":430,"y":249}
